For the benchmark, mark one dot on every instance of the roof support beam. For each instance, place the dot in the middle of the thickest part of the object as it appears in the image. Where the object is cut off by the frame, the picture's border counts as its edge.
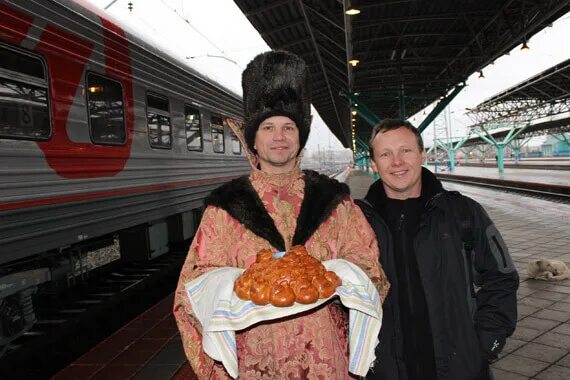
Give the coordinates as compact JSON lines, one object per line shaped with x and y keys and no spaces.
{"x":475,"y":35}
{"x":283,"y":27}
{"x":440,"y":107}
{"x":331,"y":22}
{"x":422,"y":18}
{"x":361,"y":108}
{"x":474,"y":38}
{"x":414,"y":61}
{"x":537,"y":23}
{"x":348,"y":43}
{"x":321,"y":64}
{"x":410,"y":35}
{"x":388,"y":83}
{"x":267,"y":7}
{"x":336,"y":58}
{"x":331,"y":40}
{"x":559,"y":69}
{"x":294,"y":42}
{"x":564,"y":91}
{"x":387,"y":51}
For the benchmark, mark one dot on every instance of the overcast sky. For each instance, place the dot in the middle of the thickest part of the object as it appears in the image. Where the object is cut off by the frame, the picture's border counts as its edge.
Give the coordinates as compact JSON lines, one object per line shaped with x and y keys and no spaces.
{"x":219,"y":41}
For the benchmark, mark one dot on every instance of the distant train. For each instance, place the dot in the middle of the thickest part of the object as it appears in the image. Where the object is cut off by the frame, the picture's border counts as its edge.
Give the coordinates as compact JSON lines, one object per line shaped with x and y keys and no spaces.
{"x":101,"y":135}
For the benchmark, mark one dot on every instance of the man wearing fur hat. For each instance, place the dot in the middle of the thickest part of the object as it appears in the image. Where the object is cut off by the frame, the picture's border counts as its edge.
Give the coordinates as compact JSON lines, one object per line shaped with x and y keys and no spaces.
{"x":278,"y":206}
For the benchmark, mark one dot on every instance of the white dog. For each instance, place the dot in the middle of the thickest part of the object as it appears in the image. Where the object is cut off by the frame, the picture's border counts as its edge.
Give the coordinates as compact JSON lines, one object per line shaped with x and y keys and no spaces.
{"x":548,"y":270}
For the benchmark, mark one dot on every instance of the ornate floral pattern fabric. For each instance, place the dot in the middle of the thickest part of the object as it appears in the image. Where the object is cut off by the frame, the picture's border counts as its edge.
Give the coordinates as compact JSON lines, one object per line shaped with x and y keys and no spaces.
{"x":312,"y":345}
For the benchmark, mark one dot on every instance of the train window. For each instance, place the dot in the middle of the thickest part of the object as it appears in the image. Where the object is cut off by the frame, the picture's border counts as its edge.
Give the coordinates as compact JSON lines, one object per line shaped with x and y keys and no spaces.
{"x":234,"y":141}
{"x":106,"y":112}
{"x":236,"y":145}
{"x":24,"y":108}
{"x":217,"y":127}
{"x":193,"y":128}
{"x":158,"y":120}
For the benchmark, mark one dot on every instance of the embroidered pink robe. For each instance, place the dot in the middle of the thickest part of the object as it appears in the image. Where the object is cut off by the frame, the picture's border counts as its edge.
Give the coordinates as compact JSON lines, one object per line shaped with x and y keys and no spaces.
{"x":308,"y":346}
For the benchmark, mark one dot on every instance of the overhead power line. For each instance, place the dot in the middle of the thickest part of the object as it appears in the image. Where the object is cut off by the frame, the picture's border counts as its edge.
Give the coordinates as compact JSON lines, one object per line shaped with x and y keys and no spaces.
{"x":225,"y":56}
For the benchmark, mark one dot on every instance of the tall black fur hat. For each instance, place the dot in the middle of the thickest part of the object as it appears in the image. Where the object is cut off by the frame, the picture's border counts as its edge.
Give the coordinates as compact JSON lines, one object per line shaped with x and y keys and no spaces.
{"x":276,"y":83}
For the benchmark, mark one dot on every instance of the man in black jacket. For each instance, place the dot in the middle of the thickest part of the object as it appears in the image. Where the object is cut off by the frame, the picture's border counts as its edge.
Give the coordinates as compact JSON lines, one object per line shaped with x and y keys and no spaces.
{"x":453,"y":297}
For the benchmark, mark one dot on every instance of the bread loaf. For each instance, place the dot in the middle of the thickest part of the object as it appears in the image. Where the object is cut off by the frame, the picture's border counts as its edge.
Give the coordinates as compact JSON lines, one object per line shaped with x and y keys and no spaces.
{"x":296,"y":277}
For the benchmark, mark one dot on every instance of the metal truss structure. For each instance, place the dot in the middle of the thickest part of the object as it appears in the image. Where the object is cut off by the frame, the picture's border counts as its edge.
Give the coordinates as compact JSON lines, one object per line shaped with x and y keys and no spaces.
{"x":554,"y":127}
{"x":545,"y":95}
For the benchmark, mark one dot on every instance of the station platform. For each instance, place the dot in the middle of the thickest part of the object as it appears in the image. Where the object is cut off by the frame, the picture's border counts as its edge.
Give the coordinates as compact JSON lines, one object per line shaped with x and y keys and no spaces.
{"x":550,"y":177}
{"x":149,"y":347}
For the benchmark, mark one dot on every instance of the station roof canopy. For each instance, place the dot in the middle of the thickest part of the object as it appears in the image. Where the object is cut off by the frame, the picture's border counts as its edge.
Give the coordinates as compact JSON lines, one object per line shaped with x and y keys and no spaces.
{"x":411,"y":50}
{"x":545,"y":94}
{"x":551,"y":84}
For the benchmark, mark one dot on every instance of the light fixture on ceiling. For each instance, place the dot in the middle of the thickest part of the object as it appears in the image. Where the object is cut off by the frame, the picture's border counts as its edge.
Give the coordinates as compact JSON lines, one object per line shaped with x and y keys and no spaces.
{"x":352,"y":11}
{"x":354,"y":113}
{"x":481,"y":76}
{"x":354,"y":62}
{"x":524,"y":46}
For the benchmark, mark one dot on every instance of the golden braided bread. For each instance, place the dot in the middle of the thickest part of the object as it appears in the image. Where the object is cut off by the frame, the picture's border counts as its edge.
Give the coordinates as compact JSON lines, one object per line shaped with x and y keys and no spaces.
{"x":297,"y":276}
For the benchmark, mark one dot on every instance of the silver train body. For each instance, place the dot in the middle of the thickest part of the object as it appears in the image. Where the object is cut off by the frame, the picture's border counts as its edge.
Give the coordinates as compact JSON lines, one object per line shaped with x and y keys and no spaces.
{"x":100,"y":135}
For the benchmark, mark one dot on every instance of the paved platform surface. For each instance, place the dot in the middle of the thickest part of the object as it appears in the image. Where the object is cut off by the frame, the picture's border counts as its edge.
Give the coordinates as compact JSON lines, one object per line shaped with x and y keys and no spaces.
{"x":532,"y":228}
{"x":556,"y":177}
{"x":147,"y":348}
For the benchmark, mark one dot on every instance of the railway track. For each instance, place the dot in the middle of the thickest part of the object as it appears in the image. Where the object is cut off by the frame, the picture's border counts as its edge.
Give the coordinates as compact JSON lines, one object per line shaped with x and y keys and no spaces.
{"x":69,"y":323}
{"x":554,"y":193}
{"x":511,"y":165}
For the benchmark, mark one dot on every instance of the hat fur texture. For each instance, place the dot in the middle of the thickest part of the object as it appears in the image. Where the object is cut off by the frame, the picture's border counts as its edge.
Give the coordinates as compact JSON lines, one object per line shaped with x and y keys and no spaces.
{"x":276,"y":83}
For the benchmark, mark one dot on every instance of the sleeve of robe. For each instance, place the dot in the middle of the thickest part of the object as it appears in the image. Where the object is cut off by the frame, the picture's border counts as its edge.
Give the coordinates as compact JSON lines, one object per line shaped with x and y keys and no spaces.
{"x":357,"y":243}
{"x":209,"y":250}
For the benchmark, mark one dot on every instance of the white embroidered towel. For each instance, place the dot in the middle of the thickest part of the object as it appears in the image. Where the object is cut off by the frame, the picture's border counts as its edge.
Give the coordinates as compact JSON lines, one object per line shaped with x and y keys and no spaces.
{"x":221,"y":312}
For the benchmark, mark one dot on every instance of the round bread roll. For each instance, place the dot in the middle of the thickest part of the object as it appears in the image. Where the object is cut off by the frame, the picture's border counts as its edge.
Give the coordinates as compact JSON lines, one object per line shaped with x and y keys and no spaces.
{"x":327,"y":284}
{"x":242,"y":287}
{"x":307,"y":293}
{"x":282,"y":295}
{"x":260,"y":293}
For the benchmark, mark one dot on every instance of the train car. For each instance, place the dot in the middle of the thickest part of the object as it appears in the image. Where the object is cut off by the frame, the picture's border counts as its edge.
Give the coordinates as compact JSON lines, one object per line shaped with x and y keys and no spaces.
{"x":101,"y":137}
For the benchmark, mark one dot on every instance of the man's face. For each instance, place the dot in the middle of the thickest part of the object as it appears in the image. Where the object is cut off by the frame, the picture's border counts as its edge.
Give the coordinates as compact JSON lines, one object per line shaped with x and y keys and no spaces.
{"x":277,"y":144}
{"x":398,"y":160}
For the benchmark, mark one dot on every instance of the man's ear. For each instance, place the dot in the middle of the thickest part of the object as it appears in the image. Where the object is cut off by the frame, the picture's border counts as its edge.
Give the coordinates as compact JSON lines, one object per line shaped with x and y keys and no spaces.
{"x":374,"y":167}
{"x":423,"y":155}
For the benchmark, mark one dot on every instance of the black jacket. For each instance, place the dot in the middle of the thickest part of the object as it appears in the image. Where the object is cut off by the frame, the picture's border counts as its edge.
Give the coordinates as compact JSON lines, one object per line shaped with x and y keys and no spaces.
{"x":466,"y":331}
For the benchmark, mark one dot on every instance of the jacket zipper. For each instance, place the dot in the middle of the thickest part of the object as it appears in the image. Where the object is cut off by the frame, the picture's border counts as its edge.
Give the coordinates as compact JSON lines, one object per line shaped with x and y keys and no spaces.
{"x":401,"y":221}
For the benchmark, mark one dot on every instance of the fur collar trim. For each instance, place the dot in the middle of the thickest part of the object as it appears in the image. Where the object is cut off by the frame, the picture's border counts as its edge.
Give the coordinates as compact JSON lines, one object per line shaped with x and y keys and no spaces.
{"x":239,"y":199}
